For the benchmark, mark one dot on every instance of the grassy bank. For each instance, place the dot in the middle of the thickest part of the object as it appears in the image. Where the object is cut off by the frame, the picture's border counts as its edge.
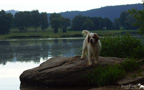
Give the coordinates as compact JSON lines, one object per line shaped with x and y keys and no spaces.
{"x":42,"y":34}
{"x":50,"y":34}
{"x":109,"y":75}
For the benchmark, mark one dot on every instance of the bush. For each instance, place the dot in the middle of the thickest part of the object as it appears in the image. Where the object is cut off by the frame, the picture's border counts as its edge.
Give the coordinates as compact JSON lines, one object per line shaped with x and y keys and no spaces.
{"x":122,"y":46}
{"x":109,"y":75}
{"x":130,"y":65}
{"x":105,"y":75}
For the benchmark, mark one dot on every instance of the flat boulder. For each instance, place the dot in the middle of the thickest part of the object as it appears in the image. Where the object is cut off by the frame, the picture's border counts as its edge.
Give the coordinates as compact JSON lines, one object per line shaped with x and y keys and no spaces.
{"x":63,"y":71}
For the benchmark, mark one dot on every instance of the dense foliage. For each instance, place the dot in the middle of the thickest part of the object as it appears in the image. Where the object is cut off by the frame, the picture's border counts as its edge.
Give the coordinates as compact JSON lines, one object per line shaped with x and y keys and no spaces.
{"x":105,"y":75}
{"x":57,"y":21}
{"x":139,"y":16}
{"x":5,"y":22}
{"x":91,"y":23}
{"x":26,"y":19}
{"x":125,"y":46}
{"x":109,"y":75}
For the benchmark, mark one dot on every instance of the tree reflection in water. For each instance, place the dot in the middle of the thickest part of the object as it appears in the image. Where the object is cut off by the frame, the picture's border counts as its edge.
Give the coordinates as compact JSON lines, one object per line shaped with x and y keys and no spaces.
{"x":37,"y":49}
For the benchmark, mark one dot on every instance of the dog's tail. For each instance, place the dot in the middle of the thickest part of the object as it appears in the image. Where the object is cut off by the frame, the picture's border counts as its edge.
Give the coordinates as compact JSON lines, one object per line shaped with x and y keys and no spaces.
{"x":85,"y":32}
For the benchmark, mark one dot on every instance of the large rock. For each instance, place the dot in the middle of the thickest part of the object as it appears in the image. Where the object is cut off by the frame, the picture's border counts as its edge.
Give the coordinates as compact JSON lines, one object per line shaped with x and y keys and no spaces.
{"x":63,"y":71}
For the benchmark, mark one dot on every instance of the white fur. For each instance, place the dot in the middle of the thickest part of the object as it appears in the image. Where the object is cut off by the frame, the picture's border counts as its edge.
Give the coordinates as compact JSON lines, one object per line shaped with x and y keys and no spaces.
{"x":141,"y":86}
{"x":92,"y":46}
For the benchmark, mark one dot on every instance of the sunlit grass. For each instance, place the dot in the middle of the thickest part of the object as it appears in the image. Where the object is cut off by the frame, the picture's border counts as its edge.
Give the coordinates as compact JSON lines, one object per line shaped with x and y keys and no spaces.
{"x":48,"y":33}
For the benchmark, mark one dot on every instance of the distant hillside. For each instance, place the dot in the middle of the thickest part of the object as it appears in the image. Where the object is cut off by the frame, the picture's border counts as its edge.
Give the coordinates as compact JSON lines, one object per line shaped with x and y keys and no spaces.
{"x":110,"y":12}
{"x":12,"y":11}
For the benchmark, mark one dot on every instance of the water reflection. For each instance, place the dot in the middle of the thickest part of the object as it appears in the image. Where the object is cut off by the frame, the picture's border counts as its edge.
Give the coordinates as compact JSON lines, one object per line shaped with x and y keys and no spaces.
{"x":36,"y":50}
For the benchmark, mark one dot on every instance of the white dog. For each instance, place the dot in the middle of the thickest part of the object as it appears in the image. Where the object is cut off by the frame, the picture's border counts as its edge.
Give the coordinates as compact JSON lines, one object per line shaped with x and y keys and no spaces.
{"x":92,"y":45}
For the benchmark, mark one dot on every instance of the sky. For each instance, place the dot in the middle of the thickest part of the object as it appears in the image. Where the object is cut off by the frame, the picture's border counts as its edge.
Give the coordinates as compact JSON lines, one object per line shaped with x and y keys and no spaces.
{"x":51,"y":6}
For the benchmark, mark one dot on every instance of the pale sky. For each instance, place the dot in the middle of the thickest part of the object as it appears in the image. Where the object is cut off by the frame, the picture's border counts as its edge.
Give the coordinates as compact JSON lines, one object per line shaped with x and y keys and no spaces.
{"x":51,"y":6}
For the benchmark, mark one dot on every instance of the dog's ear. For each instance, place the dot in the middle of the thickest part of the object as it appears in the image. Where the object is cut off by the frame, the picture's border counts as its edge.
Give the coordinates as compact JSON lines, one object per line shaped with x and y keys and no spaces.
{"x":88,"y":39}
{"x":96,"y":37}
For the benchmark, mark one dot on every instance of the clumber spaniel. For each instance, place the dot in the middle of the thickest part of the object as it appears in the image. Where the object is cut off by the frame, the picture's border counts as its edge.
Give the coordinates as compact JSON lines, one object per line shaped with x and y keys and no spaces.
{"x":92,"y":46}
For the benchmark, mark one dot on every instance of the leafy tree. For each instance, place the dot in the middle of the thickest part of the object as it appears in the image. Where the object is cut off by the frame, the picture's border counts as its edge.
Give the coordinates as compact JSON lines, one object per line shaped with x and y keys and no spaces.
{"x":108,"y":24}
{"x":65,"y":24}
{"x":130,"y":20}
{"x":88,"y":24}
{"x":125,"y":21}
{"x":56,"y":21}
{"x":77,"y":22}
{"x":44,"y":21}
{"x":35,"y":19}
{"x":26,"y":19}
{"x":22,"y":20}
{"x":139,"y":16}
{"x":117,"y":24}
{"x":96,"y":23}
{"x":91,"y":23}
{"x":5,"y":22}
{"x":123,"y":17}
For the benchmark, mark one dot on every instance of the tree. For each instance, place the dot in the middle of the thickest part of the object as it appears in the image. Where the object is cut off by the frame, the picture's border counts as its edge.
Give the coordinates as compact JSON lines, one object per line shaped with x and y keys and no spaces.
{"x":65,"y":24}
{"x":88,"y":24}
{"x":130,"y":20}
{"x":123,"y":17}
{"x":77,"y":22}
{"x":127,"y":20}
{"x":56,"y":21}
{"x":101,"y":24}
{"x":35,"y":19}
{"x":5,"y":22}
{"x":108,"y":24}
{"x":117,"y":23}
{"x":139,"y":16}
{"x":26,"y":19}
{"x":22,"y":20}
{"x":43,"y":21}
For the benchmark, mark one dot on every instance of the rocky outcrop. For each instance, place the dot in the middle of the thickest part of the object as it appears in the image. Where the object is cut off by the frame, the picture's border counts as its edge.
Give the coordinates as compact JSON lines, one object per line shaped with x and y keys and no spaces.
{"x":63,"y":71}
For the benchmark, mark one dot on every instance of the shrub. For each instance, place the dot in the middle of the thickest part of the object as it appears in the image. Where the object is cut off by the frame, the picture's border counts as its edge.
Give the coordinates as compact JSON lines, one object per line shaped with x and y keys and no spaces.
{"x":130,"y":65}
{"x":105,"y":75}
{"x":122,"y":46}
{"x":109,"y":75}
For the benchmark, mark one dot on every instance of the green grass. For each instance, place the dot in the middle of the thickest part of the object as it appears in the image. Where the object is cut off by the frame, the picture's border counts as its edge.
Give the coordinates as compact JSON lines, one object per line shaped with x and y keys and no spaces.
{"x":130,"y":65}
{"x":109,"y":75}
{"x":15,"y":33}
{"x":42,"y":34}
{"x":105,"y":75}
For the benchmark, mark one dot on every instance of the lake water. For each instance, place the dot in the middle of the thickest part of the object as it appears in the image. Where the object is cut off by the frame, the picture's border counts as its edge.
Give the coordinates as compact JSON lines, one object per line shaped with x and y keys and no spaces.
{"x":17,"y":55}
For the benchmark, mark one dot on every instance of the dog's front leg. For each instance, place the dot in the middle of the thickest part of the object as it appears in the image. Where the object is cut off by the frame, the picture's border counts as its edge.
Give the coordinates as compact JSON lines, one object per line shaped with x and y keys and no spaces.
{"x":83,"y":53}
{"x":89,"y":58}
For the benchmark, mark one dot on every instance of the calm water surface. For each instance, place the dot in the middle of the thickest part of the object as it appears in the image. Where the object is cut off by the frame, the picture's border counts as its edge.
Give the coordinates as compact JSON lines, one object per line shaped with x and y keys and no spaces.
{"x":17,"y":55}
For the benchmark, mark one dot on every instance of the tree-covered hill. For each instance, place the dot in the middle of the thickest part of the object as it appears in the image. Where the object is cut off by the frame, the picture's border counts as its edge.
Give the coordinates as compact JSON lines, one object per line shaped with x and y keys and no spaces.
{"x":110,"y":12}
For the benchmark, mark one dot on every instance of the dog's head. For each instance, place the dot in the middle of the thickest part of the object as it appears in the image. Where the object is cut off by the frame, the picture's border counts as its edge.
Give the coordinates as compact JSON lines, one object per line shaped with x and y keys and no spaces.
{"x":93,"y":38}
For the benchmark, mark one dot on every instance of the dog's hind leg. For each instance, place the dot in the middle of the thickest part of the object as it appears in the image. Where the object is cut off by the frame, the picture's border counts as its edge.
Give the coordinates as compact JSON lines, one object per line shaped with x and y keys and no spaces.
{"x":89,"y":58}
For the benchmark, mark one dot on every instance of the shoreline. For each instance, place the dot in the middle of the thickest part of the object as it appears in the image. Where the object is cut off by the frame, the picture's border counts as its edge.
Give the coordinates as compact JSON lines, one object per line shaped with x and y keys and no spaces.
{"x":50,"y":34}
